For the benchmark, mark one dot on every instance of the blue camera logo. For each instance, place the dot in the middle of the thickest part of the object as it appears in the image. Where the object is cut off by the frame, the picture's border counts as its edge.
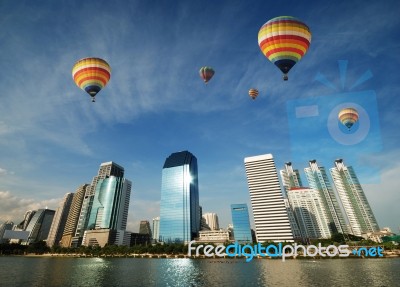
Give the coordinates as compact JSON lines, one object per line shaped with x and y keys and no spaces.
{"x":316,"y":131}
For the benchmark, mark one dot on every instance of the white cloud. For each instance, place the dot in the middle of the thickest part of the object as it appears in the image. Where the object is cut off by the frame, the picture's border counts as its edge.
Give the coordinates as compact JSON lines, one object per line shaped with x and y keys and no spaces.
{"x":13,"y":208}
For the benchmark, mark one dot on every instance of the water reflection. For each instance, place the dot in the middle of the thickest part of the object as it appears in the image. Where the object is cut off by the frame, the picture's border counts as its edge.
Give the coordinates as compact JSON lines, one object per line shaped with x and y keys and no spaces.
{"x":23,"y":271}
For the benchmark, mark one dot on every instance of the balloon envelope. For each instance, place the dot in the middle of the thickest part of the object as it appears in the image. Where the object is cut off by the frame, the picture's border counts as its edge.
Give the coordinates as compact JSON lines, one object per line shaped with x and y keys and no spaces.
{"x":284,"y":41}
{"x":91,"y":75}
{"x":253,"y":93}
{"x":206,"y":73}
{"x":348,"y":117}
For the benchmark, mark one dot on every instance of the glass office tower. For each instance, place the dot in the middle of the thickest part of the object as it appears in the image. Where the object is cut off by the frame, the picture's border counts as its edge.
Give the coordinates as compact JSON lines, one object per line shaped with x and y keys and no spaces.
{"x":241,"y":223}
{"x":179,"y":207}
{"x":110,"y":204}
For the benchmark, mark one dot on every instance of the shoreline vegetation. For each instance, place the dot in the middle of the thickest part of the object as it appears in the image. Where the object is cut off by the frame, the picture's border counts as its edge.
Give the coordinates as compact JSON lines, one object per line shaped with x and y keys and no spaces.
{"x":40,"y":249}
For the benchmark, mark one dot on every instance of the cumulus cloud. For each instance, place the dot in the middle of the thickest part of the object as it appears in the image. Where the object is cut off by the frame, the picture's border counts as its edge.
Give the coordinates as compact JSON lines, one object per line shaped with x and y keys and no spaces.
{"x":13,"y":208}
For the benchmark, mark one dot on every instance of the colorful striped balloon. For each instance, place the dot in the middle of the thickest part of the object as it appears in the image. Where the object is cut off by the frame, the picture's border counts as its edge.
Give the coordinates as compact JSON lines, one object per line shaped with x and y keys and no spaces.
{"x":206,"y":73}
{"x":348,"y":117}
{"x":91,"y":75}
{"x":253,"y":93}
{"x":284,"y":41}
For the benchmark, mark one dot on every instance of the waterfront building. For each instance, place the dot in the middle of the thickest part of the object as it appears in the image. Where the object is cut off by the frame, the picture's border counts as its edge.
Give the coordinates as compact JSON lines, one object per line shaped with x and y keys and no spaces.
{"x":101,"y":237}
{"x":211,"y":220}
{"x":269,"y":210}
{"x":318,"y":179}
{"x":106,"y":170}
{"x":110,"y":204}
{"x":179,"y":207}
{"x":39,"y":225}
{"x":213,"y":236}
{"x":8,"y":225}
{"x":309,"y":210}
{"x":241,"y":223}
{"x":355,"y":203}
{"x":59,"y":221}
{"x":156,"y":228}
{"x":144,"y":227}
{"x":73,"y":216}
{"x":27,"y":218}
{"x":139,"y":239}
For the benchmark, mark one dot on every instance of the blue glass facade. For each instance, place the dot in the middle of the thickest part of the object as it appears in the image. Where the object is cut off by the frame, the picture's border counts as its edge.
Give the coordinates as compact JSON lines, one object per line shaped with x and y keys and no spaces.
{"x":241,"y":223}
{"x":107,"y":209}
{"x":179,"y":207}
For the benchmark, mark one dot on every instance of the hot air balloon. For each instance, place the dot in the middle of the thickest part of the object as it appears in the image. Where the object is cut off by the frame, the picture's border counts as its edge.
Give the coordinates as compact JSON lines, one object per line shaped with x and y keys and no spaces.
{"x":284,"y":41}
{"x":206,"y":73}
{"x":91,"y":75}
{"x":253,"y":93}
{"x":348,"y":117}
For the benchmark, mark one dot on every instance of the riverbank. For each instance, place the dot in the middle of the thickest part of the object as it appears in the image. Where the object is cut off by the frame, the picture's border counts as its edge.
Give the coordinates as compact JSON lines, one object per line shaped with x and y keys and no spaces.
{"x":386,"y":254}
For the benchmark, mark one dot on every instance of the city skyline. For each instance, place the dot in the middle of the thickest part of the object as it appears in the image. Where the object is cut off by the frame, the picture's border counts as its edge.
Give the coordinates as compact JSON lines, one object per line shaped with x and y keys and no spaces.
{"x":52,"y":135}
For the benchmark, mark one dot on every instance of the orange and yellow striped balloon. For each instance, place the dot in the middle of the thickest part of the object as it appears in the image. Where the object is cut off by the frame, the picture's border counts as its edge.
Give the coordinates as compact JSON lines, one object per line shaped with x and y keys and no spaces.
{"x":91,"y":75}
{"x":284,"y":41}
{"x":348,"y":117}
{"x":253,"y":93}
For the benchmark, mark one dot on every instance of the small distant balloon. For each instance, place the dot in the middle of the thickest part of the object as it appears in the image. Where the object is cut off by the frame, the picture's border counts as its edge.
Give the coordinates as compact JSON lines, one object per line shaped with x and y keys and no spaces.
{"x":253,"y":93}
{"x":91,"y":75}
{"x":284,"y":41}
{"x":348,"y":117}
{"x":206,"y":73}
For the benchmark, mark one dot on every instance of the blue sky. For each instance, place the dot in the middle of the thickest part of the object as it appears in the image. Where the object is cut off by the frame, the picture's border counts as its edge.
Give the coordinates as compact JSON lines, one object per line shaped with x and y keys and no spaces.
{"x":53,"y":138}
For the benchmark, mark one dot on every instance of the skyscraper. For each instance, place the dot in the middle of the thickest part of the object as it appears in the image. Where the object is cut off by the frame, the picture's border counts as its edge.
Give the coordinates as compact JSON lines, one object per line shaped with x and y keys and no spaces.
{"x":290,"y":177}
{"x":269,"y":210}
{"x":39,"y":225}
{"x":73,"y":215}
{"x":355,"y":203}
{"x":156,"y":228}
{"x":211,"y":219}
{"x":8,"y":225}
{"x":241,"y":223}
{"x":106,"y":169}
{"x":179,"y":207}
{"x":310,"y":212}
{"x":144,"y":227}
{"x":59,"y":221}
{"x":110,"y":204}
{"x":318,"y":180}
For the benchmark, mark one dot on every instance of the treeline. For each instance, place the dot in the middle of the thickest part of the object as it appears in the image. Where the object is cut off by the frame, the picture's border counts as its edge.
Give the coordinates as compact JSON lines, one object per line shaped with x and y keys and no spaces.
{"x":160,"y":249}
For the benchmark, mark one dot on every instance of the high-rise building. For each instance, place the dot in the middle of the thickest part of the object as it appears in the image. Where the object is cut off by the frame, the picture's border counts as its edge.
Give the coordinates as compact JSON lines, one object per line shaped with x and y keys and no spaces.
{"x":73,"y":216}
{"x":310,"y":212}
{"x":110,"y":204}
{"x":318,"y":180}
{"x":27,"y":218}
{"x":241,"y":223}
{"x":8,"y":225}
{"x":59,"y":221}
{"x":211,"y":219}
{"x":39,"y":225}
{"x":355,"y":203}
{"x":290,"y":177}
{"x":179,"y":207}
{"x":106,"y":170}
{"x":144,"y":227}
{"x":156,"y":228}
{"x":269,"y":210}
